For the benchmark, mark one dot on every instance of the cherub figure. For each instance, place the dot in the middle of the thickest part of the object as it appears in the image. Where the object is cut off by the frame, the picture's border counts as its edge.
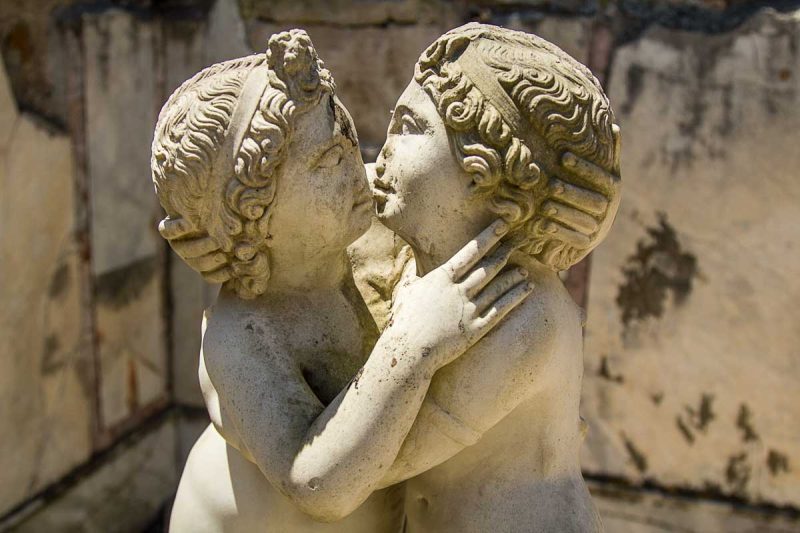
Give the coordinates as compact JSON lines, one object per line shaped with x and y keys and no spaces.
{"x":256,"y":163}
{"x":499,"y":123}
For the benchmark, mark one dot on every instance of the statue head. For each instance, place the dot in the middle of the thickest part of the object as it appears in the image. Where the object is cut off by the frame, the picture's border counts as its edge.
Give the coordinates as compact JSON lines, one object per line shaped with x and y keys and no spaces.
{"x":255,"y":159}
{"x":480,"y":132}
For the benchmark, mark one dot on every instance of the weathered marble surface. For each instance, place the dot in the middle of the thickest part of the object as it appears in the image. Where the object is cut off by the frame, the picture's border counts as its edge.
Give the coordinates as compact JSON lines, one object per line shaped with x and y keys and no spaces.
{"x":121,"y":74}
{"x":691,"y":344}
{"x":46,"y":378}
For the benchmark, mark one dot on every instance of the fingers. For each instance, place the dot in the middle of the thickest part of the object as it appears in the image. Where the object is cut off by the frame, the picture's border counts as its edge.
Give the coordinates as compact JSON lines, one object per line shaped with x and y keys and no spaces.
{"x":503,"y":306}
{"x":174,"y":228}
{"x":191,"y":248}
{"x":218,"y":276}
{"x":584,"y":199}
{"x":596,"y":177}
{"x":206,"y":263}
{"x":498,"y":287}
{"x":463,"y":260}
{"x":558,"y":231}
{"x":486,"y":270}
{"x":570,"y":217}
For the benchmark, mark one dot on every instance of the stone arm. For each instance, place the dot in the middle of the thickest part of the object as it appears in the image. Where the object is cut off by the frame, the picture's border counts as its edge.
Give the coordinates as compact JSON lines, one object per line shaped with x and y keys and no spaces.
{"x":475,"y":392}
{"x":329,"y":459}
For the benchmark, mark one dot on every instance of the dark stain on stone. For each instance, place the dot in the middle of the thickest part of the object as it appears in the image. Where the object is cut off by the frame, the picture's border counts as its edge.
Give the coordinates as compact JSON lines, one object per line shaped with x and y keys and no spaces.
{"x":18,"y":47}
{"x":777,"y":462}
{"x":357,"y":377}
{"x":684,"y":429}
{"x":744,"y":421}
{"x":737,"y":473}
{"x":637,"y":457}
{"x":605,"y":371}
{"x":50,"y":363}
{"x":59,"y":283}
{"x":701,"y":417}
{"x":123,"y":285}
{"x":657,"y":397}
{"x":659,"y":266}
{"x":634,"y":81}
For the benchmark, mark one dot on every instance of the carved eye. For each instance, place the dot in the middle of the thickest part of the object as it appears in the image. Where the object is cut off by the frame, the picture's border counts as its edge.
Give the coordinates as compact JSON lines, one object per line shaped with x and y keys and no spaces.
{"x":331,"y":158}
{"x":409,"y":126}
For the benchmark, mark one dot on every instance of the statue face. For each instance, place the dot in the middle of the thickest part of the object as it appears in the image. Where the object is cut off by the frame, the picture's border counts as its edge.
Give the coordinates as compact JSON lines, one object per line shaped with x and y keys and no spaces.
{"x":420,"y":189}
{"x":322,"y":201}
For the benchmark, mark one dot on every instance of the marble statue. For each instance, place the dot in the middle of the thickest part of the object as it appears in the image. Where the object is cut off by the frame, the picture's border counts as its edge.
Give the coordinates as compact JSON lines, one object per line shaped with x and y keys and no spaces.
{"x":500,"y":169}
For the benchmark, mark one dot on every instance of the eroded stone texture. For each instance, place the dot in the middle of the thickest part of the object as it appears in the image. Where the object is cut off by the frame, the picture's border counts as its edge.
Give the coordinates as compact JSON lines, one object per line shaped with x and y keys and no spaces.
{"x":691,"y":363}
{"x":121,"y":74}
{"x":45,"y":373}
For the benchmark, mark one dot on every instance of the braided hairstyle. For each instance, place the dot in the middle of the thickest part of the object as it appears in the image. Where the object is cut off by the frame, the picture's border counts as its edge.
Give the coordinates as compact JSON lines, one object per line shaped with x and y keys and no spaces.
{"x":232,"y":210}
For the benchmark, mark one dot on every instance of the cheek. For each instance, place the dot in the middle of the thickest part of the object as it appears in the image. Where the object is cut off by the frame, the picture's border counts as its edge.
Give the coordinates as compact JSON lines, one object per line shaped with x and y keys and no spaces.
{"x":413,"y":166}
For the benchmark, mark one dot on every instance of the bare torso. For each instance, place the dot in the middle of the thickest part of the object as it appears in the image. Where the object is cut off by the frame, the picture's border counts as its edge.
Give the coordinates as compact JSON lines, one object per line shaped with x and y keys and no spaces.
{"x":523,"y":474}
{"x":221,"y":489}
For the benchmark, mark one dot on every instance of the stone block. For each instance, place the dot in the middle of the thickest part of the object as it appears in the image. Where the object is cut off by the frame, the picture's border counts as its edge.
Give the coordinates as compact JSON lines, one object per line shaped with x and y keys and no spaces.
{"x":124,"y":491}
{"x":691,"y":344}
{"x":121,"y":79}
{"x":131,"y":338}
{"x":121,"y":97}
{"x":343,"y":12}
{"x":46,"y":375}
{"x":627,"y":510}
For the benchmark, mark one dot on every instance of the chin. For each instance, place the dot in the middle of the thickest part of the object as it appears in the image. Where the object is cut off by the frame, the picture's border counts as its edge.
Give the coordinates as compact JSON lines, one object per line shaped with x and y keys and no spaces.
{"x":361,"y":222}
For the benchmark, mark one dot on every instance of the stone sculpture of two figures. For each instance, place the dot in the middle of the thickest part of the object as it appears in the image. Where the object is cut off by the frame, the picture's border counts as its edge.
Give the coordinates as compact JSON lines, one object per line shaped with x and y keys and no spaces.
{"x":500,"y":169}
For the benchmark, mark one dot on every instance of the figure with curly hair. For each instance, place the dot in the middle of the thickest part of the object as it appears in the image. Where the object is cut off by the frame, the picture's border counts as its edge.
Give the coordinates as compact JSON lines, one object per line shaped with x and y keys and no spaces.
{"x":256,"y":163}
{"x":500,"y":123}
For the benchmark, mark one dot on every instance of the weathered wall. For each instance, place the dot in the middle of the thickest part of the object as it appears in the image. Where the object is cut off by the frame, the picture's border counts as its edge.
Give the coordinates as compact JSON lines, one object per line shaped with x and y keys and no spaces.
{"x":691,"y":345}
{"x":691,"y":336}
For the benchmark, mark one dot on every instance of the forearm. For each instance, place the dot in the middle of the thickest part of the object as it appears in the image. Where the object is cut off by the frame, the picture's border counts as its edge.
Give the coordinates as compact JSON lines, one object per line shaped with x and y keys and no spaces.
{"x":465,"y":399}
{"x":352,"y":443}
{"x":435,"y":437}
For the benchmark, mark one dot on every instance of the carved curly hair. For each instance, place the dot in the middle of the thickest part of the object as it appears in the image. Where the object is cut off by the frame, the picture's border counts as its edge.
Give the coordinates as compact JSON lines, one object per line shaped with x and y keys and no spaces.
{"x":555,"y":95}
{"x":233,"y":209}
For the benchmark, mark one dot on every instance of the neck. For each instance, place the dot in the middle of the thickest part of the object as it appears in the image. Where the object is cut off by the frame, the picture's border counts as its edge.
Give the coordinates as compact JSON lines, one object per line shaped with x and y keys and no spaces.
{"x":430,"y":257}
{"x":432,"y":251}
{"x":307,"y":275}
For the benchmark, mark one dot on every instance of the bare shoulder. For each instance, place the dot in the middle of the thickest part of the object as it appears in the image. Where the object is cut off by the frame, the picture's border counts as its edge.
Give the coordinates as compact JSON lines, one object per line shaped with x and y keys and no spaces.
{"x":237,"y":337}
{"x":548,"y":321}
